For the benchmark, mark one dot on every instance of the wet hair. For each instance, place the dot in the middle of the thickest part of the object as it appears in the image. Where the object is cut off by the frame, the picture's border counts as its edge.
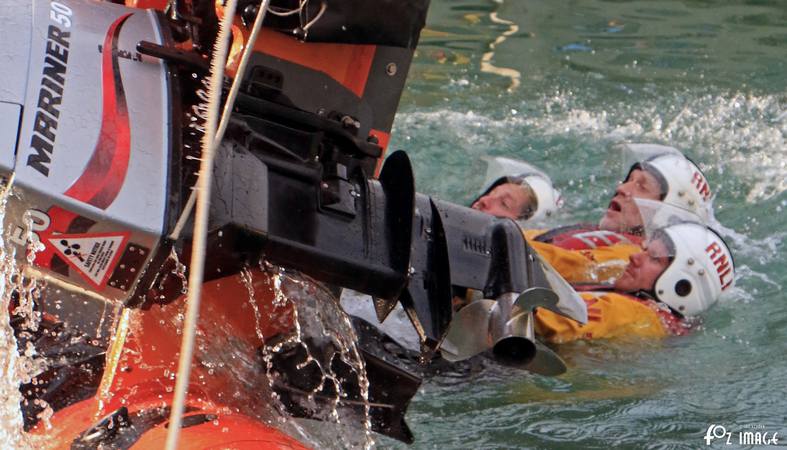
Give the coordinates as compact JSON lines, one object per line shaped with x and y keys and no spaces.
{"x":660,"y":235}
{"x":645,"y":166}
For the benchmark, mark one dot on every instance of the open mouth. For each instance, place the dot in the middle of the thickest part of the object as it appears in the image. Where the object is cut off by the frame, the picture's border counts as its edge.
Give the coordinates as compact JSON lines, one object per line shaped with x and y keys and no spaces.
{"x":614,"y":206}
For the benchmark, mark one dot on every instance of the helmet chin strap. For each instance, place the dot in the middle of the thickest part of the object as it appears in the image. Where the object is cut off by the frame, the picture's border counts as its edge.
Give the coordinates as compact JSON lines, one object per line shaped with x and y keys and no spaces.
{"x":646,"y":294}
{"x":651,"y":295}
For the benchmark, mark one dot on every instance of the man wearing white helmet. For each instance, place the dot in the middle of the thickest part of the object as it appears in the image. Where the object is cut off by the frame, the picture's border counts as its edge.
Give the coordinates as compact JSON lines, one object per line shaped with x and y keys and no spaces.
{"x":659,"y":172}
{"x":593,"y":253}
{"x":681,"y":273}
{"x":527,"y":196}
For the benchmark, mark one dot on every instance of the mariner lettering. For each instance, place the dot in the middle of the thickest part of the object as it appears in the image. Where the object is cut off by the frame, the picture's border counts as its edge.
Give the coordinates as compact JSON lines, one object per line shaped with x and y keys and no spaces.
{"x":50,"y":96}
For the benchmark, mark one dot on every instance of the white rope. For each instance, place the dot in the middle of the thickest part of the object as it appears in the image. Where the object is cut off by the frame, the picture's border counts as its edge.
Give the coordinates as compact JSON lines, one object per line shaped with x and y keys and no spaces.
{"x":184,"y":216}
{"x":323,"y":7}
{"x":244,"y":61}
{"x":225,"y":116}
{"x":200,"y":226}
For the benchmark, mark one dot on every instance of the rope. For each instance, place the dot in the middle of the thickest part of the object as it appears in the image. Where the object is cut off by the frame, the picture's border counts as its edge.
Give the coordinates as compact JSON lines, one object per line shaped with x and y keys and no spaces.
{"x":202,"y":194}
{"x":225,"y":116}
{"x":200,"y":226}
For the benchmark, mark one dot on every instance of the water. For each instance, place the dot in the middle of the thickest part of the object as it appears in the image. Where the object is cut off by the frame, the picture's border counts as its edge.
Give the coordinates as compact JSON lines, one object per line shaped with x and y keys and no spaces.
{"x":242,"y":366}
{"x":323,"y":341}
{"x":11,"y":363}
{"x":708,"y":77}
{"x":18,"y":295}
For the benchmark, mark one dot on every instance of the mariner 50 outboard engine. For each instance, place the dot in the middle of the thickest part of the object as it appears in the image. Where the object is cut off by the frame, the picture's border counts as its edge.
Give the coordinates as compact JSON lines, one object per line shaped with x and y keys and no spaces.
{"x":100,"y":136}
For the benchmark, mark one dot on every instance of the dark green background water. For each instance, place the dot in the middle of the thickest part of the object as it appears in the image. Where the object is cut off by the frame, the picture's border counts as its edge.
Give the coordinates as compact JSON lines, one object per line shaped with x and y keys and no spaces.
{"x":708,"y":77}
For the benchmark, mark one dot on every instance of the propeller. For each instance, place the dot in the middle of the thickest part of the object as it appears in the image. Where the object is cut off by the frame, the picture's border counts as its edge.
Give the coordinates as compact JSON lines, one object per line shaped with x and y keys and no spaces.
{"x":504,"y":326}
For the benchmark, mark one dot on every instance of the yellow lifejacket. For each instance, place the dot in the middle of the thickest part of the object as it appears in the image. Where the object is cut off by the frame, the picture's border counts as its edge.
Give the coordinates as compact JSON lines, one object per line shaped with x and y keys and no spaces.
{"x":610,"y":315}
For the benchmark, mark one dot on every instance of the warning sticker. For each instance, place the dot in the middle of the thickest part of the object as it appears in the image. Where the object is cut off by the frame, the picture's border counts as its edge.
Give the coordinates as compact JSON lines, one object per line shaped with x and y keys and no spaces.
{"x":92,"y":255}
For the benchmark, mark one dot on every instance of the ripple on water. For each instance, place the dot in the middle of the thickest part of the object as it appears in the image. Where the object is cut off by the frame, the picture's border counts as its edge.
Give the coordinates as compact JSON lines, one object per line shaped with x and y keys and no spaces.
{"x":637,"y":395}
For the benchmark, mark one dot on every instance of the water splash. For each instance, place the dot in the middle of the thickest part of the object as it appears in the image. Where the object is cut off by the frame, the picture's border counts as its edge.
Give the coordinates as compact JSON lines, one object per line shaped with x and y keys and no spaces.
{"x":246,"y":278}
{"x":11,"y":434}
{"x":179,"y":271}
{"x":766,"y":249}
{"x":606,"y":271}
{"x":322,"y":345}
{"x":18,"y":296}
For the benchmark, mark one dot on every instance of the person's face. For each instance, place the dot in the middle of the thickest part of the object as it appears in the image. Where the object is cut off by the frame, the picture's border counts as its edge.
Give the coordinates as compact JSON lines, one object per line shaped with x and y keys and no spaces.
{"x":622,"y":214}
{"x":507,"y":200}
{"x":644,"y":268}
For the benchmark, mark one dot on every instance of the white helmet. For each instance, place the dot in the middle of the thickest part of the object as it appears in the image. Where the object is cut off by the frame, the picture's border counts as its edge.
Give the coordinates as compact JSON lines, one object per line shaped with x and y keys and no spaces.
{"x":548,"y":200}
{"x":701,"y":268}
{"x":683,"y":183}
{"x":501,"y":170}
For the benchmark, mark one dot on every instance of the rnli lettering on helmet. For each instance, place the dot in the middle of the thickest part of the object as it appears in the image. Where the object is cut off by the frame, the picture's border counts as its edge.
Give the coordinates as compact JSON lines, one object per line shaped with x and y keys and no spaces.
{"x":723,"y":268}
{"x":50,"y":95}
{"x":701,"y":185}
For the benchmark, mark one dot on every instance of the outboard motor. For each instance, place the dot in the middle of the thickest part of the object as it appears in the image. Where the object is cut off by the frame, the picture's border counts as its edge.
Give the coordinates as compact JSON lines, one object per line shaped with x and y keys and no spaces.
{"x":102,"y":123}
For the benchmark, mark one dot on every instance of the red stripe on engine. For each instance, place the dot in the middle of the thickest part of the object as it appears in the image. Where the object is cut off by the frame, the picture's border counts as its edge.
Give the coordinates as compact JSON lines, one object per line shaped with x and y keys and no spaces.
{"x":103,"y":177}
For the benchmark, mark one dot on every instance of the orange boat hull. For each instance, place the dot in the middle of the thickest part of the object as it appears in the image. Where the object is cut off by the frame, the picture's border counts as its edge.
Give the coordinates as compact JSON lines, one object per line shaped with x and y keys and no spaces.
{"x":228,"y":404}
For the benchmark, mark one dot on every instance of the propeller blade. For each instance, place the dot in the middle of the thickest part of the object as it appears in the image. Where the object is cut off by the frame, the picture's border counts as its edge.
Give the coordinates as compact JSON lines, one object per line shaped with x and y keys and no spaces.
{"x":522,"y":350}
{"x":536,"y":297}
{"x":569,"y":303}
{"x":383,"y":307}
{"x":468,"y":334}
{"x":546,"y":362}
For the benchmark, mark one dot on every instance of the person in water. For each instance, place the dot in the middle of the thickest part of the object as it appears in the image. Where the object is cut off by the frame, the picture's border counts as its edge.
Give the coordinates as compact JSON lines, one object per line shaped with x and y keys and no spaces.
{"x":680,"y":273}
{"x":662,"y":173}
{"x":526,"y":196}
{"x":587,"y":253}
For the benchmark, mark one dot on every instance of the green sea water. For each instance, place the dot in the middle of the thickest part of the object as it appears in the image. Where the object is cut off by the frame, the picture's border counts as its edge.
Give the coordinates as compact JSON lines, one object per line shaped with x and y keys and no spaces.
{"x":558,"y":84}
